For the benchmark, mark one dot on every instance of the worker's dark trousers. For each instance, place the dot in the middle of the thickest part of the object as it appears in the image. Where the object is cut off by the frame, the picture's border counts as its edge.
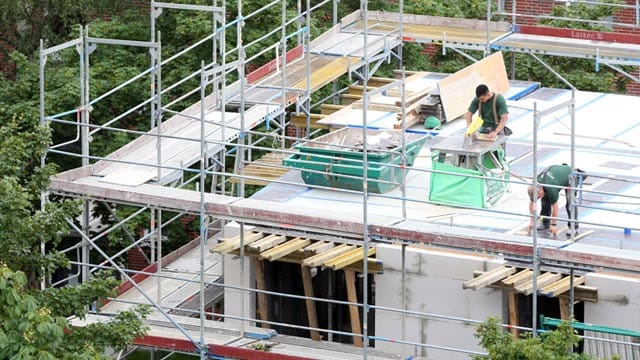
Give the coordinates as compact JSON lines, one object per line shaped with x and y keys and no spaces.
{"x":545,"y":211}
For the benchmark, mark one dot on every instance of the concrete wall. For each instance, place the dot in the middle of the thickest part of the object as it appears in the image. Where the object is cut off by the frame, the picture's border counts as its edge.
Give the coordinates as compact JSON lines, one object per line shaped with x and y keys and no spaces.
{"x":433,"y":284}
{"x":618,"y":301}
{"x":233,"y":298}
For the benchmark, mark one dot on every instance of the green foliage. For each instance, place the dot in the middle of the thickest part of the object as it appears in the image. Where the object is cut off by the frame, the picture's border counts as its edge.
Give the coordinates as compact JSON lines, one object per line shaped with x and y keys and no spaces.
{"x":581,"y":73}
{"x":30,"y":329}
{"x":583,"y":15}
{"x":550,"y":345}
{"x":24,"y":22}
{"x":23,"y":227}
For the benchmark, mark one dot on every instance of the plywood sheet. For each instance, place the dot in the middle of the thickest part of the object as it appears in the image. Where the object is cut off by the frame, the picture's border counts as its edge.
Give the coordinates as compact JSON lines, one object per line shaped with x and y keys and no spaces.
{"x":457,"y":90}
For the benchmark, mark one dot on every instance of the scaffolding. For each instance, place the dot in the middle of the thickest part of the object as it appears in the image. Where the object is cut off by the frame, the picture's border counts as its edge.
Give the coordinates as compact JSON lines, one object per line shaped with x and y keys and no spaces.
{"x":179,"y":167}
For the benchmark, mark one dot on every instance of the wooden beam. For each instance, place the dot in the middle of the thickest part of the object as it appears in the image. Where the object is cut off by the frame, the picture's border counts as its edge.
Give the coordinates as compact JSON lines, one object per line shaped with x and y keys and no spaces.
{"x":583,"y":293}
{"x":354,"y":311}
{"x":300,"y":120}
{"x":377,"y":81}
{"x":232,"y":244}
{"x":284,"y":249}
{"x":267,"y":242}
{"x":489,"y":277}
{"x":319,"y":259}
{"x":565,"y":312}
{"x":348,"y":258}
{"x":541,"y":281}
{"x":561,"y":286}
{"x":318,"y":247}
{"x":328,"y":109}
{"x":263,"y":304}
{"x":512,"y":298}
{"x":312,"y":316}
{"x":517,"y":279}
{"x":374,"y":266}
{"x":348,"y":99}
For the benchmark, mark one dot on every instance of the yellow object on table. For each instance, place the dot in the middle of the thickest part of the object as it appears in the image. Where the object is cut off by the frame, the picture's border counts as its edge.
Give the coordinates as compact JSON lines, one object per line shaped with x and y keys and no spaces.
{"x":476,"y":122}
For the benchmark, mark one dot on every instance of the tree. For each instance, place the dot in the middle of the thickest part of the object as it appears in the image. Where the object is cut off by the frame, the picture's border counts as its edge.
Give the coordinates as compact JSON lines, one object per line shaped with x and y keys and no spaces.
{"x":24,"y":22}
{"x":34,"y":326}
{"x":550,"y":345}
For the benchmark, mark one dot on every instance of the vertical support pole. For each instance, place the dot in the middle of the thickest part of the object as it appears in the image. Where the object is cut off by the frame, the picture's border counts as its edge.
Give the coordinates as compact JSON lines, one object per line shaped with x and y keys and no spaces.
{"x":572,"y":220}
{"x":534,"y":231}
{"x":43,"y":122}
{"x":263,"y":304}
{"x":157,"y":116}
{"x":365,"y":189}
{"x":512,"y":300}
{"x":203,"y":218}
{"x":283,"y":75}
{"x":354,"y":313}
{"x":309,"y":302}
{"x":84,"y":130}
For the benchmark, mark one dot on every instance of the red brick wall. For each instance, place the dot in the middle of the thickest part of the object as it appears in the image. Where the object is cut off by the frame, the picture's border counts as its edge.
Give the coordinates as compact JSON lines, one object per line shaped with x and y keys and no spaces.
{"x":528,"y":9}
{"x":136,"y":260}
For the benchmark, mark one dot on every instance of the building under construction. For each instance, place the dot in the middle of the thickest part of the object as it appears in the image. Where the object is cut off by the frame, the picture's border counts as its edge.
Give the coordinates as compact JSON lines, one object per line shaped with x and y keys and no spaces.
{"x":371,"y":236}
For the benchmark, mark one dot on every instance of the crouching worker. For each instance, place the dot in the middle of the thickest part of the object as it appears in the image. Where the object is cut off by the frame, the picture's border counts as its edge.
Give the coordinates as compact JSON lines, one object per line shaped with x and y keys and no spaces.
{"x":550,"y":181}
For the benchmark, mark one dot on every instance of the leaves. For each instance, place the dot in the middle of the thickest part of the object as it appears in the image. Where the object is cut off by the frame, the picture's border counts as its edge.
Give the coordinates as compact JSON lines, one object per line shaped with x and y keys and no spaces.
{"x":550,"y":345}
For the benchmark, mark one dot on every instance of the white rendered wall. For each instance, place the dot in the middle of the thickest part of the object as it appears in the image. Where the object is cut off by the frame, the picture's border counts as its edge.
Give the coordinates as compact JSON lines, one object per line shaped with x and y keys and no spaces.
{"x":233,"y":298}
{"x":433,"y":284}
{"x":618,"y":301}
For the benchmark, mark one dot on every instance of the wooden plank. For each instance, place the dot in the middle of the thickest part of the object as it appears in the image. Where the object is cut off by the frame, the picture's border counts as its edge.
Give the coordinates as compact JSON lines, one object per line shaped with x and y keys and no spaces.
{"x":348,"y":258}
{"x":374,"y":266}
{"x":328,"y":109}
{"x":561,"y":286}
{"x":327,"y":73}
{"x":232,"y":244}
{"x":348,"y":99}
{"x":318,"y":247}
{"x":583,"y":293}
{"x":541,"y":281}
{"x":457,"y":90}
{"x":284,"y":249}
{"x":312,"y":316}
{"x":512,"y":298}
{"x":263,"y":305}
{"x":267,"y":242}
{"x":354,"y":311}
{"x":489,"y":277}
{"x":319,"y":259}
{"x":379,"y":81}
{"x":517,"y":279}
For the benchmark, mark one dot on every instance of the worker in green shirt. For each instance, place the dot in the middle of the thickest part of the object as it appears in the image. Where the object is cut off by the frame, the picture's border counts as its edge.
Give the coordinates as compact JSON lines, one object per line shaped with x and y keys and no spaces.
{"x":550,"y":181}
{"x":493,"y":111}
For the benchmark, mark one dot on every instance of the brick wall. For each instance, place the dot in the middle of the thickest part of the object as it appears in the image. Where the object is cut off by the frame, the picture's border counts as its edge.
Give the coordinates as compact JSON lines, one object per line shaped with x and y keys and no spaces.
{"x":136,"y":260}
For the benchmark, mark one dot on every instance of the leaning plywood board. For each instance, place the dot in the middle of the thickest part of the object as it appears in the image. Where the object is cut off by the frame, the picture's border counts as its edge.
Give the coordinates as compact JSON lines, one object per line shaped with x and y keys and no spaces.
{"x":457,"y":90}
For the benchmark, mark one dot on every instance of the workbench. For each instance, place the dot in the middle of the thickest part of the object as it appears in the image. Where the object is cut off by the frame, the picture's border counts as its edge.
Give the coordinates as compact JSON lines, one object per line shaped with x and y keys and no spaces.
{"x":469,"y":156}
{"x":470,"y":176}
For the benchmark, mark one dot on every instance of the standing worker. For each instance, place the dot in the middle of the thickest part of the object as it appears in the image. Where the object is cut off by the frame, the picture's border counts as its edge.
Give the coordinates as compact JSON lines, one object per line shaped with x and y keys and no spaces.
{"x":493,"y":111}
{"x":550,"y":181}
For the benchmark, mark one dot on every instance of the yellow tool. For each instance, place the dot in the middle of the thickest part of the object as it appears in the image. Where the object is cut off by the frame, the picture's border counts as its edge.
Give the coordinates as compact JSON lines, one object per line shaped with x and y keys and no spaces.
{"x":476,"y":122}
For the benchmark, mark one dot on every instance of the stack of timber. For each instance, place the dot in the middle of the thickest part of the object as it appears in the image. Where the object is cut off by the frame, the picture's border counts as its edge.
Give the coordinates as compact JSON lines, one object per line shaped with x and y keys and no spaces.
{"x":432,"y":106}
{"x":264,"y":170}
